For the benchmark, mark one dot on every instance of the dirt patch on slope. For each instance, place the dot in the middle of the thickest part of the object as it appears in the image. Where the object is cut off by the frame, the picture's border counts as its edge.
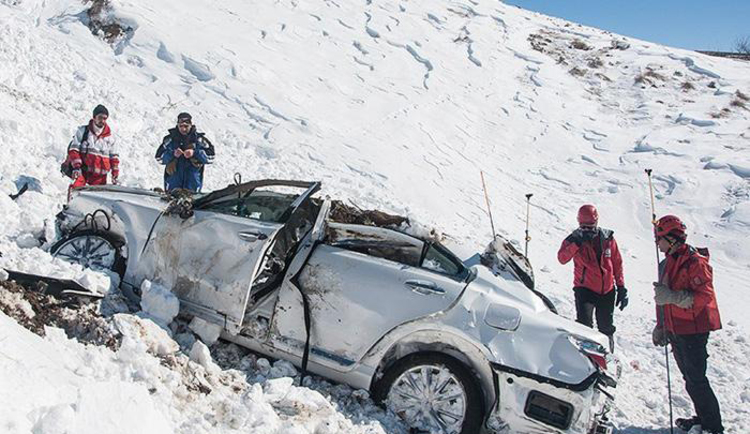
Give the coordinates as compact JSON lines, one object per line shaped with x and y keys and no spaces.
{"x":34,"y":311}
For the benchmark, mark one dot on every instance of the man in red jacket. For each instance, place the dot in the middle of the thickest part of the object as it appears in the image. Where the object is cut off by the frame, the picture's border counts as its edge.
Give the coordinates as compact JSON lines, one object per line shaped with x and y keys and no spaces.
{"x":597,"y":268}
{"x":686,"y":313}
{"x":92,"y":153}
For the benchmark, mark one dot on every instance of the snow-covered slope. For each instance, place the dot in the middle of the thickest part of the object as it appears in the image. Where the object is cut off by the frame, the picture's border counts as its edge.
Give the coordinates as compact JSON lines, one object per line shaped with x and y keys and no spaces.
{"x":398,"y":105}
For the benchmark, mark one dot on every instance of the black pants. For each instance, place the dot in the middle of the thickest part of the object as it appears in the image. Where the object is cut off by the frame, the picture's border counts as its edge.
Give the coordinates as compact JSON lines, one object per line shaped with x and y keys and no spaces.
{"x":691,"y":356}
{"x":589,"y":303}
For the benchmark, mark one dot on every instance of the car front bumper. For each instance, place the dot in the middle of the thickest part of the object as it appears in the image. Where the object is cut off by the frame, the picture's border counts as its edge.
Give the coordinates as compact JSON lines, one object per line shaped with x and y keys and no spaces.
{"x":532,"y":404}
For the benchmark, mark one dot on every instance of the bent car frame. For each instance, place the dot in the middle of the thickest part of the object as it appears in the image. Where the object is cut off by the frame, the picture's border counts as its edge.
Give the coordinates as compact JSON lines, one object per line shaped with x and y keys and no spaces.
{"x":451,"y":348}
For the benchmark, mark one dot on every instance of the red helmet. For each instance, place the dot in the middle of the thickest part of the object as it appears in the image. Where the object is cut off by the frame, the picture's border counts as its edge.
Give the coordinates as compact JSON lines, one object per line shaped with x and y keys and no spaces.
{"x":588,"y":215}
{"x":672,"y":226}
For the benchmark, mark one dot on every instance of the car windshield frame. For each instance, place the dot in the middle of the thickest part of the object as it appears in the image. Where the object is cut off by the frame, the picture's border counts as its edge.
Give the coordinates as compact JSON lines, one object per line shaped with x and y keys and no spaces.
{"x":463,"y":271}
{"x":248,"y":187}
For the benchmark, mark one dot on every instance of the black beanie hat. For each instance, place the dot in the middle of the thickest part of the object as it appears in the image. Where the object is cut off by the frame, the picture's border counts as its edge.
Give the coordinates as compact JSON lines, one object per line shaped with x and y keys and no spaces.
{"x":184,"y":116}
{"x":100,"y":109}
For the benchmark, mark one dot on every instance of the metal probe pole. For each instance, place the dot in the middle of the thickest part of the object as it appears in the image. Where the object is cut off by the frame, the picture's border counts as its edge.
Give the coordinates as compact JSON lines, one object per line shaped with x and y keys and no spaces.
{"x":661,"y":308}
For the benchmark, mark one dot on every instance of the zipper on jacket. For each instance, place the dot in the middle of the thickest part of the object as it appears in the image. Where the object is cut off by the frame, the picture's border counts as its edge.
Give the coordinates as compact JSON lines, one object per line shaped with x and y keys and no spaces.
{"x":601,"y":257}
{"x":583,"y":275}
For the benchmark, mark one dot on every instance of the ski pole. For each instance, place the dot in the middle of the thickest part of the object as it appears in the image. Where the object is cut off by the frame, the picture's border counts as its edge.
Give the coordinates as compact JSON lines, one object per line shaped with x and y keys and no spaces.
{"x":660,"y":310}
{"x":528,"y":238}
{"x":487,"y":201}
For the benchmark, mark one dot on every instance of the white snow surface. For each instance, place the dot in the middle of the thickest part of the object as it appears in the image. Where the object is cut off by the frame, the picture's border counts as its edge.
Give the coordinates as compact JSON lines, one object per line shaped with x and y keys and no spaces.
{"x":394,"y":105}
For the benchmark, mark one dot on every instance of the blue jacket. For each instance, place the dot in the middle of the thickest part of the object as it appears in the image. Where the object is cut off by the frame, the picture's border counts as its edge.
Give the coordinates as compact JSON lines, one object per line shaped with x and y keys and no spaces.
{"x":185,"y":173}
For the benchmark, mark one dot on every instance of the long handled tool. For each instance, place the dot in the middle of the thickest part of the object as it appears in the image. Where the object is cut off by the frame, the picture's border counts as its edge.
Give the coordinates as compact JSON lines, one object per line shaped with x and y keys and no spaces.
{"x":528,"y":238}
{"x":487,"y":201}
{"x":660,"y":311}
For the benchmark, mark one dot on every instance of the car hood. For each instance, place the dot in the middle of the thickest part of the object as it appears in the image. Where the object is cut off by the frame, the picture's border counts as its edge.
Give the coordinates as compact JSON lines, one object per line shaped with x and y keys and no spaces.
{"x":519,"y":332}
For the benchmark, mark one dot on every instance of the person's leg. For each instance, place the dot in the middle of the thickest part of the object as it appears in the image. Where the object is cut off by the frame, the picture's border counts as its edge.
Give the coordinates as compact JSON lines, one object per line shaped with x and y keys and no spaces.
{"x":584,"y":306}
{"x":605,"y":309}
{"x":691,"y":355}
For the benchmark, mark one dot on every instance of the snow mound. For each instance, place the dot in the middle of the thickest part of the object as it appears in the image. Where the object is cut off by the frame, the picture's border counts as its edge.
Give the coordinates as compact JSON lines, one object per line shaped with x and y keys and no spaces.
{"x":158,"y":303}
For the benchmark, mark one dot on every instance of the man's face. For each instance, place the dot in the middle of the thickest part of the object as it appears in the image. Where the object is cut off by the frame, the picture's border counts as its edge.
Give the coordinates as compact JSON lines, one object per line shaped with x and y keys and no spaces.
{"x":663,"y":244}
{"x":184,"y":127}
{"x":100,"y":120}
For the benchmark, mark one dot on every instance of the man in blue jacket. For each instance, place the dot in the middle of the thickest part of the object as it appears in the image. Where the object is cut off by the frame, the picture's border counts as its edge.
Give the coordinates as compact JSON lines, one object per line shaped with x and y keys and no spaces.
{"x":184,"y":152}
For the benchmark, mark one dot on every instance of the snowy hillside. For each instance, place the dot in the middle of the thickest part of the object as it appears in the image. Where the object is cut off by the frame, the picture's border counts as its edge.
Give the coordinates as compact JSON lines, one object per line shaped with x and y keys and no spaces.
{"x":395,"y":105}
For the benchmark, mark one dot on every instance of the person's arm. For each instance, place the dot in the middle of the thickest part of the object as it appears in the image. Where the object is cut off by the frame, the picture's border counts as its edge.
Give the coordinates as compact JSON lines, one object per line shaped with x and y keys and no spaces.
{"x":200,"y":155}
{"x":74,"y":149}
{"x":160,"y":150}
{"x":114,"y":161}
{"x":701,"y":284}
{"x":617,"y":265}
{"x":569,"y":247}
{"x":168,"y":154}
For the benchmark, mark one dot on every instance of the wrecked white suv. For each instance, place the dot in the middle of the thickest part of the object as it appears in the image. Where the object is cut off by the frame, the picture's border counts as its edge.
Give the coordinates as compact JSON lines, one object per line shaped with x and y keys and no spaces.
{"x":451,"y":348}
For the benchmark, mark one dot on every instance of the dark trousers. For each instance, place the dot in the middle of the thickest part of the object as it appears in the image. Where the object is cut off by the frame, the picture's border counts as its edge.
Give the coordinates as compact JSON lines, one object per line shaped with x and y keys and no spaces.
{"x":691,"y":356}
{"x":589,"y":303}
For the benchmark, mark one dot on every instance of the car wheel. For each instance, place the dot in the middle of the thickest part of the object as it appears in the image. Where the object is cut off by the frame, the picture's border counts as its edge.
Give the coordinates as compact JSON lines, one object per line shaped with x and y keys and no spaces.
{"x":432,"y":393}
{"x":91,"y":249}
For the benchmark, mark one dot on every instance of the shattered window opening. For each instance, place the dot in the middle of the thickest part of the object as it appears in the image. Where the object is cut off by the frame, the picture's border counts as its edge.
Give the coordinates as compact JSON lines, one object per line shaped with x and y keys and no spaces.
{"x":262,"y":205}
{"x":377,"y":242}
{"x":440,"y":260}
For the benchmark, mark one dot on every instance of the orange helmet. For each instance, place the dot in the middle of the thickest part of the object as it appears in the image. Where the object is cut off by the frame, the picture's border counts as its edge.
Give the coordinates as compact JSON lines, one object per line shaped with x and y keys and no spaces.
{"x":588,"y":215}
{"x":672,"y":226}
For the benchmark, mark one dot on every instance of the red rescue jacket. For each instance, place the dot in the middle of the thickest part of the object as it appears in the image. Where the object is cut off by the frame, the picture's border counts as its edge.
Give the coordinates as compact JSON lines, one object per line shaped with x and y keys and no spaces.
{"x":97,"y":155}
{"x":688,"y":269}
{"x":597,"y":275}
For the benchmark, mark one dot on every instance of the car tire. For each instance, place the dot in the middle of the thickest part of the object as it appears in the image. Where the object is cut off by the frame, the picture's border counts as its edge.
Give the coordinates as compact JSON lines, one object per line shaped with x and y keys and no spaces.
{"x":400,"y":390}
{"x":92,"y":248}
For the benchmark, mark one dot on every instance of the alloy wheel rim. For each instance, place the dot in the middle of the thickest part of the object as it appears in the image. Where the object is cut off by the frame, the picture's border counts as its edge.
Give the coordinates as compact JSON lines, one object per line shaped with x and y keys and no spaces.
{"x":90,"y":251}
{"x":430,"y":398}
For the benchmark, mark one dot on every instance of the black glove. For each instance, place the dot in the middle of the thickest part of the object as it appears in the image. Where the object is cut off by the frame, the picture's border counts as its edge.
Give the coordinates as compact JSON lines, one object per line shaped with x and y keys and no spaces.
{"x":587,"y":235}
{"x":622,"y":297}
{"x":659,"y":336}
{"x":576,"y":237}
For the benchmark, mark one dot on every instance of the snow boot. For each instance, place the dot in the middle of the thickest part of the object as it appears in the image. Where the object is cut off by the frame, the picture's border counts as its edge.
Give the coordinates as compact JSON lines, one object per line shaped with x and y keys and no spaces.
{"x":686,"y":424}
{"x":611,"y":343}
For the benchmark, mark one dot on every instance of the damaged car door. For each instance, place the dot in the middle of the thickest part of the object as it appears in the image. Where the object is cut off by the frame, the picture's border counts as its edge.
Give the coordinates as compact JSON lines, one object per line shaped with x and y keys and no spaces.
{"x":223,"y":247}
{"x":360,"y":283}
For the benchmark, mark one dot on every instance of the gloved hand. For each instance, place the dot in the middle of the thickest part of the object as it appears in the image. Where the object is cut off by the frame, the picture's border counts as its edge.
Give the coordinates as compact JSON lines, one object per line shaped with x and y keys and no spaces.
{"x":587,"y":234}
{"x":576,"y":237}
{"x":659,"y":336}
{"x":188,"y":153}
{"x":76,"y":173}
{"x":115,"y":179}
{"x":664,"y":295}
{"x":178,"y":153}
{"x":622,"y":297}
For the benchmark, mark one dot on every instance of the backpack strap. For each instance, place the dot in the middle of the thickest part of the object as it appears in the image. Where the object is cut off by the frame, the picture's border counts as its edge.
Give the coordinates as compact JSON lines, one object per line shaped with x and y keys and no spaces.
{"x":85,"y":134}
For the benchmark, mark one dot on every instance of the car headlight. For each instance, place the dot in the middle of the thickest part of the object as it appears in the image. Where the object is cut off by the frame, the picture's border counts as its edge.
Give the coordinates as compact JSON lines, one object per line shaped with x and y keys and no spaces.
{"x":593,"y":350}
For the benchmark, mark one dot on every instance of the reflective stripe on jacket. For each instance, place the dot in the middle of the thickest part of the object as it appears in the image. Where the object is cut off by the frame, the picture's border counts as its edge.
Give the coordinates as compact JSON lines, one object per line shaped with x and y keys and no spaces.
{"x":688,"y":269}
{"x":598,"y":275}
